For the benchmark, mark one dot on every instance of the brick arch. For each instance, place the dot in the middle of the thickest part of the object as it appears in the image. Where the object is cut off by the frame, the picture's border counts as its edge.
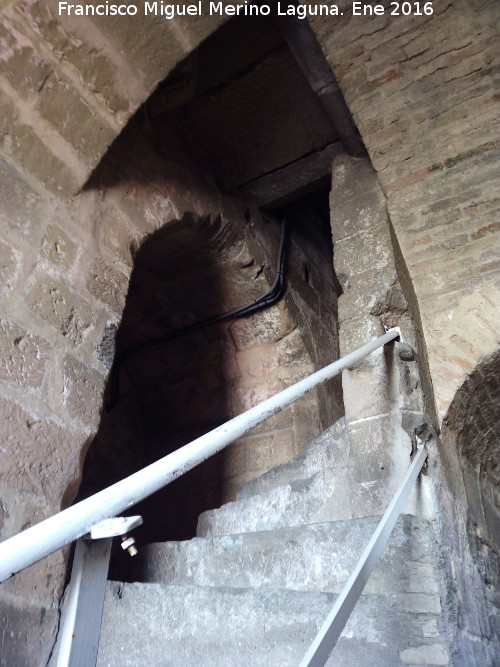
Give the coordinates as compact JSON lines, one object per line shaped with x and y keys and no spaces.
{"x":474,"y":421}
{"x":68,"y":85}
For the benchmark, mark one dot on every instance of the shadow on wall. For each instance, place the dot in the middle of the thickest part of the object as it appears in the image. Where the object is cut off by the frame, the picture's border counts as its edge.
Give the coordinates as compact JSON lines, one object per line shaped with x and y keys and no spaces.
{"x":173,"y":392}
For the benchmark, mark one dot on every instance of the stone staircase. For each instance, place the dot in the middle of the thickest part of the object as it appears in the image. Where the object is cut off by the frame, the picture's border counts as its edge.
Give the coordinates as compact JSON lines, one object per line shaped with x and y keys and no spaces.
{"x":256,"y":584}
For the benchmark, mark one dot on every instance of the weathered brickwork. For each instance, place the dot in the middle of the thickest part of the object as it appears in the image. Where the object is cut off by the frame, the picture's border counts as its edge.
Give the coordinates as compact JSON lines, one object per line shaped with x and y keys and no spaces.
{"x":423,"y":94}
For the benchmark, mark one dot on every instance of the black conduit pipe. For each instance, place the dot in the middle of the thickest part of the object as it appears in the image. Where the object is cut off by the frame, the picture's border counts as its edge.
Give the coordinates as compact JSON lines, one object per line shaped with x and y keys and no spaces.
{"x":273,"y":295}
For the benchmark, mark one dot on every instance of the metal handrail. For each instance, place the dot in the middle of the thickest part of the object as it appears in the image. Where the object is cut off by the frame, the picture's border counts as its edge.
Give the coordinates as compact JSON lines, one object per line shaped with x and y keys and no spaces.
{"x":324,"y":642}
{"x":33,"y":544}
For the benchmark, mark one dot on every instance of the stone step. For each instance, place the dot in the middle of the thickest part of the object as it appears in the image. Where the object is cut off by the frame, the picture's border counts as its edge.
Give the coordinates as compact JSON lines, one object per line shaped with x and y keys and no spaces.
{"x":179,"y":626}
{"x":320,"y":557}
{"x":326,"y":496}
{"x":330,"y":449}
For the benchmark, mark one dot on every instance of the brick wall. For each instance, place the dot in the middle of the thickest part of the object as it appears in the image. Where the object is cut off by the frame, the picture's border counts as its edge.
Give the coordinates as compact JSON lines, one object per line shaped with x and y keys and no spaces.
{"x":423,"y":93}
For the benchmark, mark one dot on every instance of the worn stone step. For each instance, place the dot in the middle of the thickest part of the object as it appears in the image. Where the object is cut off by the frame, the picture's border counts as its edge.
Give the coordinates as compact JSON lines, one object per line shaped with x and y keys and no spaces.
{"x":326,"y":496}
{"x":330,"y":449}
{"x":179,"y":626}
{"x":319,"y":557}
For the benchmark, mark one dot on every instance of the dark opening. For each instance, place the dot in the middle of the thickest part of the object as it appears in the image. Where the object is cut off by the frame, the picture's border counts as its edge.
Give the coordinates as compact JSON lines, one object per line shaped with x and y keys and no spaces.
{"x":239,"y":118}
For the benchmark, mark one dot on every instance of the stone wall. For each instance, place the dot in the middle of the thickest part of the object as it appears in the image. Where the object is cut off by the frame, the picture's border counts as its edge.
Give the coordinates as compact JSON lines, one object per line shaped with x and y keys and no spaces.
{"x":66,"y":266}
{"x":69,"y":84}
{"x":382,"y":394}
{"x":422,"y":91}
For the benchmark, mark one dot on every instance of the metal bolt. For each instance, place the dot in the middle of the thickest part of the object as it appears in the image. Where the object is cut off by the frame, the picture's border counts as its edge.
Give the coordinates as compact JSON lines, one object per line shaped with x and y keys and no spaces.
{"x":128,"y":543}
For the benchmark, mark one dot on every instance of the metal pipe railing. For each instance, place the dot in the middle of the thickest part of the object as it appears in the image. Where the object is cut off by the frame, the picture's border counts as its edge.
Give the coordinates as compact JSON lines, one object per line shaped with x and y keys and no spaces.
{"x":46,"y":537}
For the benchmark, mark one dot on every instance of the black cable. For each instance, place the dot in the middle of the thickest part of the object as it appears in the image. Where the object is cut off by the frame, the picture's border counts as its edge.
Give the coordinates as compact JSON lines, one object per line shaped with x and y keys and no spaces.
{"x":268,"y":299}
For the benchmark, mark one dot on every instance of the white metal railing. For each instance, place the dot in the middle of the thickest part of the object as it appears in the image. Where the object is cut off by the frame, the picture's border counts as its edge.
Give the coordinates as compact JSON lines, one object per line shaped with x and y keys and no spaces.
{"x":44,"y":538}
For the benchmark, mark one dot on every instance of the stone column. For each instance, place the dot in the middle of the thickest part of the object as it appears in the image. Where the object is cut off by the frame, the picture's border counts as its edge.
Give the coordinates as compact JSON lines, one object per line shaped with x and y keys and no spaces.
{"x":382,"y":394}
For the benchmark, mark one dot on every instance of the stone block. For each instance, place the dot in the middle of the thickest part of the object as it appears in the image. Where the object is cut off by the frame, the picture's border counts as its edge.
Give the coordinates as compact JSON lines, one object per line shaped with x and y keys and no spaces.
{"x":350,"y":178}
{"x":23,"y":65}
{"x":357,"y":332}
{"x":100,"y":75}
{"x":115,"y":236}
{"x":105,"y":349}
{"x":281,"y":420}
{"x":371,"y":446}
{"x":84,"y":128}
{"x":358,"y":214}
{"x":261,"y":627}
{"x":108,"y":285}
{"x":24,"y":356}
{"x":150,"y":44}
{"x":368,"y":250}
{"x":245,"y":398}
{"x":426,"y":654}
{"x":247,"y":551}
{"x":291,"y":349}
{"x":235,"y":459}
{"x":259,"y":360}
{"x":58,"y":248}
{"x":8,"y":117}
{"x":37,"y":455}
{"x":71,"y":45}
{"x":374,"y":292}
{"x":266,"y":326}
{"x":8,"y":265}
{"x":306,"y":421}
{"x":28,"y":633}
{"x":366,"y":390}
{"x":19,"y":201}
{"x":267,"y":451}
{"x":324,"y":497}
{"x":421,"y":578}
{"x":331,"y":448}
{"x":68,"y":313}
{"x":21,"y":143}
{"x":84,"y":388}
{"x":42,"y":582}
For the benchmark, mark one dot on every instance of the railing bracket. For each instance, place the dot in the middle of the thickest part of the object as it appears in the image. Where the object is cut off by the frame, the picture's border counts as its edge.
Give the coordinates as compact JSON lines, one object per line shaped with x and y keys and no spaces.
{"x":392,"y":329}
{"x":113,"y":527}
